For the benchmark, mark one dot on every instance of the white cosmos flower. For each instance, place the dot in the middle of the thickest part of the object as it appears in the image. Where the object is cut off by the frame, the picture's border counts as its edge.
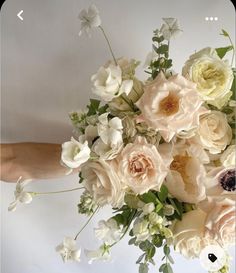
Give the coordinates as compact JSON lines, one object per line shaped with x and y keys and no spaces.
{"x":101,"y":254}
{"x":170,"y":28}
{"x":108,"y":231}
{"x":68,"y":251}
{"x":110,"y":131}
{"x":20,"y":195}
{"x":108,"y":83}
{"x":89,"y":18}
{"x":74,"y":153}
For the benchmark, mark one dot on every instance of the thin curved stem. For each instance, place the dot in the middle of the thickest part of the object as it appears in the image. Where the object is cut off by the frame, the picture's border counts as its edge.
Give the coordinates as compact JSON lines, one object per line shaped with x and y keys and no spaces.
{"x":86,"y":223}
{"x":108,"y":43}
{"x":55,"y":192}
{"x":233,"y":50}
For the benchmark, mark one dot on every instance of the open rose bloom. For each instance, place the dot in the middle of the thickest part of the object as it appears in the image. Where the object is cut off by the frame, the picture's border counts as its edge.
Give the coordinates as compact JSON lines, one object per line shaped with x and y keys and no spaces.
{"x":160,"y":152}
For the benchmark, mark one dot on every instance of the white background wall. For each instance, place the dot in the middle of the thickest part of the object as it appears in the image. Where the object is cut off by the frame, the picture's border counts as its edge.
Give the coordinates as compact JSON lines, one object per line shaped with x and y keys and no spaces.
{"x":46,"y":69}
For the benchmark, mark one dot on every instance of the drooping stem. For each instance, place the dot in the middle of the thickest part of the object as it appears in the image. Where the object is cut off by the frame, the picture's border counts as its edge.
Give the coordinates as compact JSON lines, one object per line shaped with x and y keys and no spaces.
{"x":127,"y":228}
{"x":233,"y":50}
{"x":55,"y":192}
{"x":86,"y":223}
{"x":108,"y":43}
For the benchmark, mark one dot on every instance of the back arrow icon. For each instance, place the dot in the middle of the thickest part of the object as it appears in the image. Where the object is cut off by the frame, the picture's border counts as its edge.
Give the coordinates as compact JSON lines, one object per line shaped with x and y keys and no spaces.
{"x":19,"y":15}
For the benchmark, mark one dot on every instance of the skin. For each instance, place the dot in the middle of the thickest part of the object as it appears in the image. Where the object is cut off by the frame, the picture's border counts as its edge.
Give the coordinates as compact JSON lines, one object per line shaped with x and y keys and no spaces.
{"x":31,"y":161}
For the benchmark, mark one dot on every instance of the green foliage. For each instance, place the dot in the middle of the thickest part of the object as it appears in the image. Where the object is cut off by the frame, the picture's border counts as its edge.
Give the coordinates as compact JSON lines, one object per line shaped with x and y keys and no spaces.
{"x":143,"y":268}
{"x":221,"y":51}
{"x":162,"y":195}
{"x":233,"y":87}
{"x":166,"y":268}
{"x":93,"y":107}
{"x":125,"y":217}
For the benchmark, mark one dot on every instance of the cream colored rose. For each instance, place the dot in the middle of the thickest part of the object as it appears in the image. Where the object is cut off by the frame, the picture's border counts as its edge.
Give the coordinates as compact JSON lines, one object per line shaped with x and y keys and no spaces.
{"x":214,"y":132}
{"x":186,"y":177}
{"x":141,"y":167}
{"x":170,"y":106}
{"x":228,"y":157}
{"x":102,"y":182}
{"x":221,"y":183}
{"x":189,"y":234}
{"x":212,"y":75}
{"x":220,"y":220}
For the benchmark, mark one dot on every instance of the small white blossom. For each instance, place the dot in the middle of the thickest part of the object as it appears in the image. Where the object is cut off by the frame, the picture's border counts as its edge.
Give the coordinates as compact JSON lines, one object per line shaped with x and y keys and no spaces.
{"x":20,"y":195}
{"x":108,"y":231}
{"x":68,"y":251}
{"x":168,"y":210}
{"x":110,"y":131}
{"x":108,"y":83}
{"x":170,"y":28}
{"x":89,"y":19}
{"x":155,"y":219}
{"x":101,"y":254}
{"x":140,"y":229}
{"x":148,"y":208}
{"x":74,"y":153}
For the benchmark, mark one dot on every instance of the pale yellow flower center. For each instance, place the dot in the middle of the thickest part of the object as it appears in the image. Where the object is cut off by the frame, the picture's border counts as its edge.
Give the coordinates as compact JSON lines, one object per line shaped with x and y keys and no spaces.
{"x":169,"y":105}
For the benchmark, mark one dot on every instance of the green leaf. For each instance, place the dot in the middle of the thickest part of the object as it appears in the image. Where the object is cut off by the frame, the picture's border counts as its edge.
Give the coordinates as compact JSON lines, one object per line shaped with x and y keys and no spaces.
{"x":150,"y":252}
{"x":162,"y":49}
{"x":233,"y":87}
{"x":170,"y":259}
{"x":224,"y":33}
{"x":162,"y":195}
{"x":132,"y":241}
{"x":80,"y":178}
{"x":167,"y":269}
{"x":158,"y":207}
{"x":162,"y":267}
{"x":166,"y":250}
{"x":177,"y":206}
{"x":103,"y":109}
{"x":143,"y":268}
{"x":119,"y":219}
{"x":158,"y":39}
{"x":93,"y":107}
{"x":131,"y":200}
{"x":144,"y":246}
{"x":140,"y":258}
{"x":221,"y":51}
{"x":148,"y":197}
{"x":157,"y":240}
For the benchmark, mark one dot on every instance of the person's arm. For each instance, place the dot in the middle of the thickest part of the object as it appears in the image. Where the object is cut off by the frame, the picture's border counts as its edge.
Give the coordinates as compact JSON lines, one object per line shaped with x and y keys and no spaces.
{"x":30,"y":160}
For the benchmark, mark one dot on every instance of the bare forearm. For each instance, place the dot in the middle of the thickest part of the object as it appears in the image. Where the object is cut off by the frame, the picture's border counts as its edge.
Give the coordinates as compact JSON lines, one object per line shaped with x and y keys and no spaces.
{"x":30,"y":160}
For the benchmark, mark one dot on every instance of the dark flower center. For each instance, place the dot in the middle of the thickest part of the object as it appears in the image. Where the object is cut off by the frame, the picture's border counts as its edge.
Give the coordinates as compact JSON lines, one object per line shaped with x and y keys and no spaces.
{"x":227,"y":180}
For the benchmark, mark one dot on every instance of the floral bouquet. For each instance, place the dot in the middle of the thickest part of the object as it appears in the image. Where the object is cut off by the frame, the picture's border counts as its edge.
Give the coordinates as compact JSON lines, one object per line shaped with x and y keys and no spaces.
{"x":160,"y":152}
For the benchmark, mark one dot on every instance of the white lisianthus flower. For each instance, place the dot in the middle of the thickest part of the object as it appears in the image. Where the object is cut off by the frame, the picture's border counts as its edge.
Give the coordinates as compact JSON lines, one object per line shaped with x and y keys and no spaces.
{"x":108,"y":83}
{"x":105,"y":151}
{"x":140,"y":229}
{"x":170,"y":28}
{"x":20,"y":195}
{"x":68,"y":251}
{"x":228,"y":157}
{"x":89,"y":19}
{"x":74,"y":153}
{"x":102,"y":182}
{"x":110,"y":131}
{"x":108,"y":231}
{"x":214,"y":132}
{"x":101,"y":254}
{"x":212,"y":75}
{"x":170,"y":106}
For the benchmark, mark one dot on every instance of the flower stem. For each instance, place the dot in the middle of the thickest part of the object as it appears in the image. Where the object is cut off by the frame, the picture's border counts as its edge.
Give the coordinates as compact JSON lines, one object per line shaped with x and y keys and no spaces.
{"x":55,"y":192}
{"x":86,"y":223}
{"x":233,"y":50}
{"x":127,"y":228}
{"x":108,"y":43}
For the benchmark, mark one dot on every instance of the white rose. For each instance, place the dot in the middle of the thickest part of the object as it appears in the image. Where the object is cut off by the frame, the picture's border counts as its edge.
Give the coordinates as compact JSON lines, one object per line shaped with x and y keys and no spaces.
{"x":212,"y":75}
{"x":227,"y":158}
{"x":74,"y":153}
{"x":214,"y":132}
{"x":188,"y":234}
{"x":170,"y":106}
{"x":110,"y":131}
{"x":186,"y":177}
{"x":108,"y":83}
{"x":102,"y":182}
{"x":141,"y":167}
